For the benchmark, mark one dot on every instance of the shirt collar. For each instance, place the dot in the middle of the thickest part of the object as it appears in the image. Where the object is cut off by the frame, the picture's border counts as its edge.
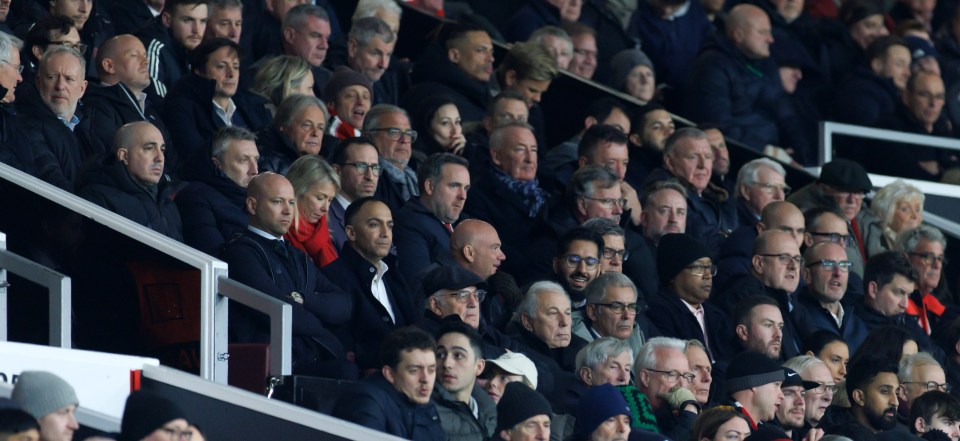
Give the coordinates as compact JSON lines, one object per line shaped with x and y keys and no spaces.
{"x":262,"y":233}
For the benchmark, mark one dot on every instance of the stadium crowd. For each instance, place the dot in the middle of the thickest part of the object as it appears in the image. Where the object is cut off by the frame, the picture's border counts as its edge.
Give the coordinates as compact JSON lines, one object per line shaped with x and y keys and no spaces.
{"x":476,"y":282}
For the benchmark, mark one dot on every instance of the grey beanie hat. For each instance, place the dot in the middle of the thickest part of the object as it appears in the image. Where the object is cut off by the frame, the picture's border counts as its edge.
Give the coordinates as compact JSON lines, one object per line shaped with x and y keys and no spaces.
{"x":623,"y":62}
{"x":40,"y":393}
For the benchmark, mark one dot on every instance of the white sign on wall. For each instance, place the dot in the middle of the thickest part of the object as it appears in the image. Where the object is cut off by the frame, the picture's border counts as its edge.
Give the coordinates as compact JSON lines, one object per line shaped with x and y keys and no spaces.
{"x":101,"y":380}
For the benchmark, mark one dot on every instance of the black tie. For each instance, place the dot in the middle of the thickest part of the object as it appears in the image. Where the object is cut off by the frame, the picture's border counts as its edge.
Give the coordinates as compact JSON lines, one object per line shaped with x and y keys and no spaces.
{"x":281,"y":248}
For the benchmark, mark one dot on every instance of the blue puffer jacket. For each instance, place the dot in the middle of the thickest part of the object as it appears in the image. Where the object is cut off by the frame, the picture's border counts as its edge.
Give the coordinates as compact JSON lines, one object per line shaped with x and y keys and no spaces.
{"x":741,"y":96}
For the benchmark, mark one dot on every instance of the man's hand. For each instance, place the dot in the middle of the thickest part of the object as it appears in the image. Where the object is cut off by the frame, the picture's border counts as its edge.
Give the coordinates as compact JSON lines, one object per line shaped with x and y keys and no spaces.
{"x":814,"y":435}
{"x":633,"y":202}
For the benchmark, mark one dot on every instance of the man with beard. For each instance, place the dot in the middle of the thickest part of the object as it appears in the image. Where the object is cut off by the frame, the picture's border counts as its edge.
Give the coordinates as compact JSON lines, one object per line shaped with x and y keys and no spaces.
{"x":424,"y":226}
{"x":774,"y":272}
{"x":649,"y":129}
{"x":791,"y":413}
{"x":721,"y":158}
{"x":686,"y":278}
{"x":872,"y":388}
{"x":825,"y":274}
{"x":818,"y":399}
{"x":577,"y":263}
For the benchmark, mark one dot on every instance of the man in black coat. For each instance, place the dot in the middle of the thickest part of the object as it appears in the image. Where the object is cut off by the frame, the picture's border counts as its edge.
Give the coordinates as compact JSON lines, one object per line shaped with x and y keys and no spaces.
{"x":369,"y":49}
{"x":121,"y":98}
{"x":397,"y":398}
{"x":737,"y":252}
{"x":382,"y":300}
{"x":388,"y":126}
{"x":680,"y":309}
{"x":131,"y":182}
{"x":213,"y":207}
{"x":48,"y":122}
{"x":261,"y":259}
{"x":12,"y":151}
{"x":170,"y":37}
{"x":870,"y":92}
{"x":459,"y":64}
{"x":424,"y":225}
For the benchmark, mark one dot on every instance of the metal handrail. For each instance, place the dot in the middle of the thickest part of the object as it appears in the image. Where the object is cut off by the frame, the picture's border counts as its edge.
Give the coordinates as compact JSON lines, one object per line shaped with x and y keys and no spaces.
{"x":281,"y":321}
{"x":830,"y":128}
{"x":56,"y":283}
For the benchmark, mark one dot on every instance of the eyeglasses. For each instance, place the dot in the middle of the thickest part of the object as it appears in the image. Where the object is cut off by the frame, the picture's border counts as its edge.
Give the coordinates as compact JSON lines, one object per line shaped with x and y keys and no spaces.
{"x":610,"y":253}
{"x":844,"y":240}
{"x":699,"y":270}
{"x":928,"y":258}
{"x":177,"y":435}
{"x":676,"y":375}
{"x":829,"y":265}
{"x":932,"y":385}
{"x":79,"y":47}
{"x":785,"y":258}
{"x":773,"y":188}
{"x":618,"y":307}
{"x":363,"y":166}
{"x":823,"y":388}
{"x":574,"y":260}
{"x":18,"y":67}
{"x":609,"y":202}
{"x":395,"y":133}
{"x":463,"y":295}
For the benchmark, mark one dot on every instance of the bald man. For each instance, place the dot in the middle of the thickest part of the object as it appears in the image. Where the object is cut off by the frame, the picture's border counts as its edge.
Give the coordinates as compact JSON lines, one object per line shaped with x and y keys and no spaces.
{"x":737,"y":251}
{"x":476,"y":246}
{"x":121,"y":97}
{"x":732,"y":74}
{"x":132,"y":182}
{"x":261,"y":259}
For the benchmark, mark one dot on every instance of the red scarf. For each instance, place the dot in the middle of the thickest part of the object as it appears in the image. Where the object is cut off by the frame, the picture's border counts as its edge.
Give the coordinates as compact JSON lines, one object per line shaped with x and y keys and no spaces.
{"x":343,"y":129}
{"x":929,"y":305}
{"x":313,"y":239}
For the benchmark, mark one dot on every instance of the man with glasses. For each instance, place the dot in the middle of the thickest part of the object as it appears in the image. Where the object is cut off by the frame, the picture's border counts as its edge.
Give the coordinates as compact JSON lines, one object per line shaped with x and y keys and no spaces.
{"x":615,"y":253}
{"x":918,"y":374}
{"x":686,"y":279}
{"x":826,"y":273}
{"x":791,"y":413}
{"x":759,"y":182}
{"x":828,"y":224}
{"x":661,"y":372}
{"x":425,"y":224}
{"x":819,"y":398}
{"x":615,"y":309}
{"x":389,"y":128}
{"x":358,"y":164}
{"x":925,"y":246}
{"x":606,"y":360}
{"x":737,"y":252}
{"x":774,"y":272}
{"x":688,"y":157}
{"x":453,"y":290}
{"x":576,"y":263}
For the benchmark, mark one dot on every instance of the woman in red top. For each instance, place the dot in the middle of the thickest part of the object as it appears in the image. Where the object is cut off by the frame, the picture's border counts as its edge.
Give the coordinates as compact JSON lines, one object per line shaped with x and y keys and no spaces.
{"x":315,"y":184}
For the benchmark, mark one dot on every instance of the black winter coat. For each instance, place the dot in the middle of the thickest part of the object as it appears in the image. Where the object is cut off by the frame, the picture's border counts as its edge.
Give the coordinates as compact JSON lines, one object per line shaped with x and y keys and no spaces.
{"x":167,"y":60}
{"x":213,"y":211}
{"x":375,"y":404}
{"x":55,"y":147}
{"x":110,"y":107}
{"x":434,"y":74}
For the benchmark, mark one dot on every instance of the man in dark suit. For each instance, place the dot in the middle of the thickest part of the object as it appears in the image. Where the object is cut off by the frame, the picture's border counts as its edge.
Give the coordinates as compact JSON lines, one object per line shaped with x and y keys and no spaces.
{"x":358,"y":164}
{"x":260,"y":258}
{"x":424,"y":225}
{"x":381,"y":298}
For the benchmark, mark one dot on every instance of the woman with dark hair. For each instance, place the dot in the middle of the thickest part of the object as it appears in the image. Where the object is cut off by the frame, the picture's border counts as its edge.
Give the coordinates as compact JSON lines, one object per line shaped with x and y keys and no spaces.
{"x":886,"y":344}
{"x":16,"y":424}
{"x":437,"y":120}
{"x":831,"y":350}
{"x":720,"y":423}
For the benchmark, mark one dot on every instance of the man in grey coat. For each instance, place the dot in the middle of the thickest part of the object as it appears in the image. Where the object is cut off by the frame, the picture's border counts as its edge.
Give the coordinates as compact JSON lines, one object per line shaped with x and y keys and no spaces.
{"x":467,"y":412}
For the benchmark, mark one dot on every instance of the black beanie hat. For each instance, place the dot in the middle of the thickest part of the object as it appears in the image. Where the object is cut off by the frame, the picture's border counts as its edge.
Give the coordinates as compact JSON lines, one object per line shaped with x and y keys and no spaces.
{"x":146,"y":412}
{"x":676,"y":251}
{"x":751,"y":369}
{"x":518,"y":404}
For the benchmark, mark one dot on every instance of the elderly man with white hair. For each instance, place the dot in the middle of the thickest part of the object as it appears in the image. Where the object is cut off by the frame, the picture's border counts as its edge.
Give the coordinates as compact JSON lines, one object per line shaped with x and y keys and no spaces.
{"x":817,"y":399}
{"x":661,"y":372}
{"x":925,"y":247}
{"x":606,"y":360}
{"x":542,"y":325}
{"x":614,"y":308}
{"x":759,"y":183}
{"x":12,"y":154}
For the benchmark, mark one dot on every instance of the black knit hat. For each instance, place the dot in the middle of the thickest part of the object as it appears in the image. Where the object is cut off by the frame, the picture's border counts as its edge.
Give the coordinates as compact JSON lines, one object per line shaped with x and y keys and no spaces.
{"x":751,"y":369}
{"x":518,"y":404}
{"x":146,"y":412}
{"x":675,"y":252}
{"x":343,"y":78}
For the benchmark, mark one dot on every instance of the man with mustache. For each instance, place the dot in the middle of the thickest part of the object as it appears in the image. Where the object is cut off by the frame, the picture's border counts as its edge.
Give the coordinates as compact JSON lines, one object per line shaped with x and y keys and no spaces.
{"x":872,"y":388}
{"x":791,"y":412}
{"x":682,"y":310}
{"x":826,"y":272}
{"x":382,"y":300}
{"x":774,"y":272}
{"x":396,"y":399}
{"x":169,"y":39}
{"x":131,"y":182}
{"x":687,"y":156}
{"x":576,"y":263}
{"x":425,"y":224}
{"x":466,"y":411}
{"x":262,"y":259}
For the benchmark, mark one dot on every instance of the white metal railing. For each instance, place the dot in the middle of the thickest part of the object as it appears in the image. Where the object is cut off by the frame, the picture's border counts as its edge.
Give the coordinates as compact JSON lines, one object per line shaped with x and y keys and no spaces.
{"x":829,"y":128}
{"x":281,"y":321}
{"x":56,"y":283}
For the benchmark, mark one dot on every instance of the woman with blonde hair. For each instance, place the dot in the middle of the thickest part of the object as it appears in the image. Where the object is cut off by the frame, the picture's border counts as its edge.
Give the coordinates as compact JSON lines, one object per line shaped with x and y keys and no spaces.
{"x":898,"y":207}
{"x":315,"y":184}
{"x":282,"y":76}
